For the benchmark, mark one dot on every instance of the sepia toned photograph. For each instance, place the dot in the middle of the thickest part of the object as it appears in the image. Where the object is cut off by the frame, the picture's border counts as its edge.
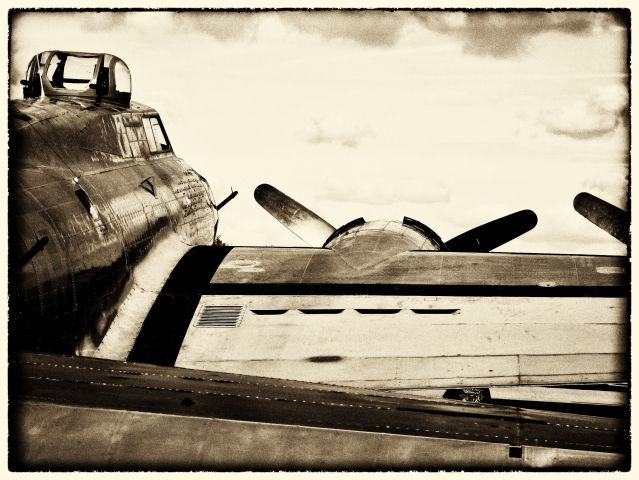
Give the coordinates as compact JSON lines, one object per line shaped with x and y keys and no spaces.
{"x":325,"y":240}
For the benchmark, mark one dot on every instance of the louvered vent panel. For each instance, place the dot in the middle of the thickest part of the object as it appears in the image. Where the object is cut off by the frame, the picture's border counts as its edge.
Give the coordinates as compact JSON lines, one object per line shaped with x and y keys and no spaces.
{"x":219,"y":316}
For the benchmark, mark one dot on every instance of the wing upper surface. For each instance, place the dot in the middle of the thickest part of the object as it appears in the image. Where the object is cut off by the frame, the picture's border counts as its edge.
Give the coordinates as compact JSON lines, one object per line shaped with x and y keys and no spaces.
{"x":315,"y":266}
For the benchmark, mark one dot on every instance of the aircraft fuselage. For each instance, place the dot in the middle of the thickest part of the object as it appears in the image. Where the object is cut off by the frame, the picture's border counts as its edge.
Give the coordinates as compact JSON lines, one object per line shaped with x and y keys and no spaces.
{"x":96,"y":205}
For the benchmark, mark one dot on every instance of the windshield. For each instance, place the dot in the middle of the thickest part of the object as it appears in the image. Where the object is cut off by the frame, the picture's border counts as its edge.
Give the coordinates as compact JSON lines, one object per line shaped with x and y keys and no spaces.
{"x":71,"y":72}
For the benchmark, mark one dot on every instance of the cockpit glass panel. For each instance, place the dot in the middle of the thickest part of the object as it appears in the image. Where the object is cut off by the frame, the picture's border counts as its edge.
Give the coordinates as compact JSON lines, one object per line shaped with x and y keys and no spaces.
{"x":155,"y":134}
{"x":71,"y":72}
{"x":148,"y":131}
{"x":158,"y":133}
{"x":122,"y":77}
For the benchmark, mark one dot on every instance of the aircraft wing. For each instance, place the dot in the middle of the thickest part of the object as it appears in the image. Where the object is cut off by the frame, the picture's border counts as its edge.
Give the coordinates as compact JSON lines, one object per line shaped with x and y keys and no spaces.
{"x":427,"y":271}
{"x":413,"y":321}
{"x":78,"y":413}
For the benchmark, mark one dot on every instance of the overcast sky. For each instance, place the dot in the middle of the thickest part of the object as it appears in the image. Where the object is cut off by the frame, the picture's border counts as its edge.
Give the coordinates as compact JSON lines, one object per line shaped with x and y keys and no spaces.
{"x":451,"y":118}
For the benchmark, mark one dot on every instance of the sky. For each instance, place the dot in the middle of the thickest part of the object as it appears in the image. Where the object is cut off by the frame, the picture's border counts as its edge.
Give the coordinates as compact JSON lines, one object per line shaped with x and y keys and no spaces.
{"x":453,"y":118}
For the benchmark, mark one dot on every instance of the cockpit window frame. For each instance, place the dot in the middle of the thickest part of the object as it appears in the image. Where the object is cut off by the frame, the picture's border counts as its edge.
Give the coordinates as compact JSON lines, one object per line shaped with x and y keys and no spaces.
{"x":100,"y":88}
{"x":155,"y":147}
{"x":63,"y":72}
{"x":51,"y":90}
{"x":32,"y":85}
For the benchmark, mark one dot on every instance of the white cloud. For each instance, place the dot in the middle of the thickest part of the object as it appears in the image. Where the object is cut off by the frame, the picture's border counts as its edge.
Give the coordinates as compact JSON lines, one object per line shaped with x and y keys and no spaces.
{"x":593,"y":115}
{"x":336,"y":131}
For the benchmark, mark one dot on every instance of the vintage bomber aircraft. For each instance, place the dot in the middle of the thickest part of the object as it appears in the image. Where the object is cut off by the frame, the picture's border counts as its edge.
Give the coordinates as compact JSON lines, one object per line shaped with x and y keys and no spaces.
{"x":104,"y":218}
{"x":110,"y":256}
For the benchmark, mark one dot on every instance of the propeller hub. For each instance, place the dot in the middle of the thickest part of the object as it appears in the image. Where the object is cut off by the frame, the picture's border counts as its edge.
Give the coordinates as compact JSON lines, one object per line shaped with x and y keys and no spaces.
{"x":368,"y":243}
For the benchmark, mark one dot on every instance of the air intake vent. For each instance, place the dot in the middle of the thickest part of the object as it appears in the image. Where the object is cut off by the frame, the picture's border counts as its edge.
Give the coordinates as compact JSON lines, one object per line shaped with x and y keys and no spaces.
{"x":220,"y":316}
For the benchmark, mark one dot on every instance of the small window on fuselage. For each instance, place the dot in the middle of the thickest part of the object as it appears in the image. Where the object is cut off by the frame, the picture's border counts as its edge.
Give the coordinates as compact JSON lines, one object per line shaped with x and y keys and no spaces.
{"x":155,"y":134}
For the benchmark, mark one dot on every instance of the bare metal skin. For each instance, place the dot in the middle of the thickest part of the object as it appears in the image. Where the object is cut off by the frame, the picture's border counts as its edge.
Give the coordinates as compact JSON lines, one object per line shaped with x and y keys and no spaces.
{"x":92,"y":196}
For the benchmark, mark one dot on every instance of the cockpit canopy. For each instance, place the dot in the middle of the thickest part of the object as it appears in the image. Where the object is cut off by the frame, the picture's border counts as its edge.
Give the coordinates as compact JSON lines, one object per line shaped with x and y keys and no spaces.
{"x":101,"y":77}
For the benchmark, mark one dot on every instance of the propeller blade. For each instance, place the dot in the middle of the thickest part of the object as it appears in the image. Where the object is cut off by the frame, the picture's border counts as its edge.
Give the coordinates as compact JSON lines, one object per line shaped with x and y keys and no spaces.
{"x":606,"y":216}
{"x":308,"y":226}
{"x":493,"y":234}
